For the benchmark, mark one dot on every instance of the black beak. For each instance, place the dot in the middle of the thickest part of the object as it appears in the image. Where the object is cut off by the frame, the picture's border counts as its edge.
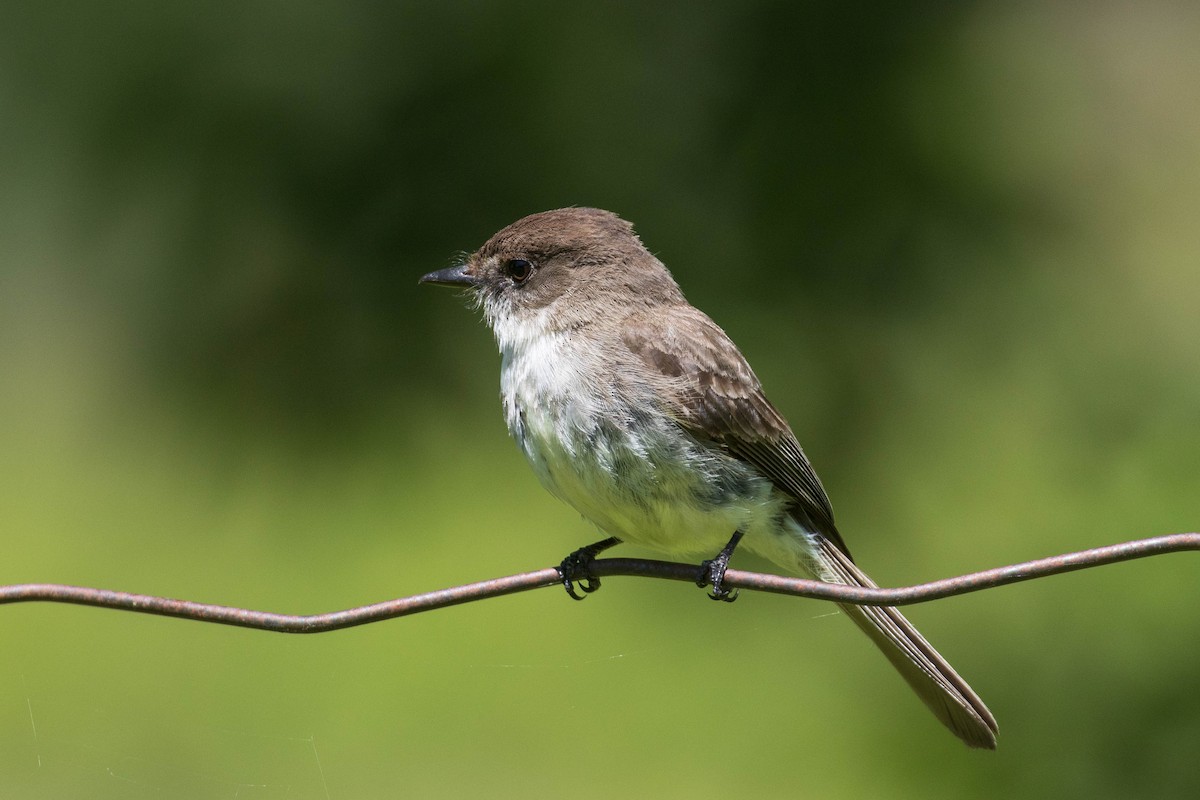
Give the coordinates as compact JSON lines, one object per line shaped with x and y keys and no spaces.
{"x":451,"y":276}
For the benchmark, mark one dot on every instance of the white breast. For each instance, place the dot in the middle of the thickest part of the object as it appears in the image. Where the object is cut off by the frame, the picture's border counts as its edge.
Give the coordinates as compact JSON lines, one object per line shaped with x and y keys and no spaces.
{"x":619,"y":462}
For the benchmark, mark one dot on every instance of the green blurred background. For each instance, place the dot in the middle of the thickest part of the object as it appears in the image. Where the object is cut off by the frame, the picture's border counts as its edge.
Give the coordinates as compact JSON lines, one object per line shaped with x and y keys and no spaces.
{"x":959,"y":242}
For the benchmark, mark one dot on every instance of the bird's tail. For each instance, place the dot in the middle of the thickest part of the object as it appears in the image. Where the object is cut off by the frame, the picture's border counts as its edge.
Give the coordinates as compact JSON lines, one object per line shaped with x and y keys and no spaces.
{"x":937,"y":684}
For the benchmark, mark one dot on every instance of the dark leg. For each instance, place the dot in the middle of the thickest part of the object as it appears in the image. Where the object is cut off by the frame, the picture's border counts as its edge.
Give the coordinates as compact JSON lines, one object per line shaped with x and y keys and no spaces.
{"x":713,"y":572}
{"x":578,"y":567}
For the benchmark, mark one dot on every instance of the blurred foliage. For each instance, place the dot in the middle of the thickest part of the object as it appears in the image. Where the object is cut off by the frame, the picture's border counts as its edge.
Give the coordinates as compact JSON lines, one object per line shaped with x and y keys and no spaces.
{"x":957,"y":241}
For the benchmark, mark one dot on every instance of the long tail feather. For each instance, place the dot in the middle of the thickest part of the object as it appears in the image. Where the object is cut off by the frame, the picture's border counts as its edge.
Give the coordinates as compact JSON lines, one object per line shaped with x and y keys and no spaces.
{"x":933,"y":679}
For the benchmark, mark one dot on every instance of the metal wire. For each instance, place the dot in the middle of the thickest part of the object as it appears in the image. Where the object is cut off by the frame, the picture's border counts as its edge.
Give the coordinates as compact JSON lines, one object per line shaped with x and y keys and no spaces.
{"x":734,"y":579}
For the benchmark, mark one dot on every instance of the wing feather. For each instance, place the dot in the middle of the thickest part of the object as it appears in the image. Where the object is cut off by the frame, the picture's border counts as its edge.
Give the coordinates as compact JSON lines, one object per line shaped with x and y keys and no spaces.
{"x":715,"y":396}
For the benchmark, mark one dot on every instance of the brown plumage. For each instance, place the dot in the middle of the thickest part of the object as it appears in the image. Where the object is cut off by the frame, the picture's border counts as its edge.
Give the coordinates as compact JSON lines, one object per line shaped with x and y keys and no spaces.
{"x":719,"y":399}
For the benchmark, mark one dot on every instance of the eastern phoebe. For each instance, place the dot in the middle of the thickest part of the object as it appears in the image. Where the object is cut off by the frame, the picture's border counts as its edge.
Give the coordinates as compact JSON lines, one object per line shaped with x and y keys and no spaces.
{"x":636,"y":409}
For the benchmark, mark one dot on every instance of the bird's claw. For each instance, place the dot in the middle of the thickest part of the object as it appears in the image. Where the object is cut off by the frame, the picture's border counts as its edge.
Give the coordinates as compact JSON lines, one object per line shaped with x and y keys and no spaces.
{"x":723,"y":594}
{"x":712,"y":573}
{"x":576,"y":570}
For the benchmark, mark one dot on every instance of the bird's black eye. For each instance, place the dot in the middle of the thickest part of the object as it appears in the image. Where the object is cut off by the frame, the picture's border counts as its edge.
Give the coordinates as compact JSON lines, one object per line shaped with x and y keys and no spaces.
{"x":518,"y":270}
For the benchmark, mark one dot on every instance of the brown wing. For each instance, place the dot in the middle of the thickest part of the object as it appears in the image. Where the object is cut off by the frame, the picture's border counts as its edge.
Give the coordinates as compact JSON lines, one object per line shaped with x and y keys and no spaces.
{"x":716,"y":397}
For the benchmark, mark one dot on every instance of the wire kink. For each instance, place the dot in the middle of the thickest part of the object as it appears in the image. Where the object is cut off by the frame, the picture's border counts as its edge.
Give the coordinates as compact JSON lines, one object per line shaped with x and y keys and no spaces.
{"x":632,"y":567}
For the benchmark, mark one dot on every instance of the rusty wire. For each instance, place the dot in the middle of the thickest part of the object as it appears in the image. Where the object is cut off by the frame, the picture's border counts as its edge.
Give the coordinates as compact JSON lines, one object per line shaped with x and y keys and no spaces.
{"x":389,"y":609}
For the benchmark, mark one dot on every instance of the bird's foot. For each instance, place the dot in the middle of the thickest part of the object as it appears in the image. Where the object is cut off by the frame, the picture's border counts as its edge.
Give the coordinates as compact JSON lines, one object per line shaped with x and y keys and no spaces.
{"x":575,"y":571}
{"x":712,"y":572}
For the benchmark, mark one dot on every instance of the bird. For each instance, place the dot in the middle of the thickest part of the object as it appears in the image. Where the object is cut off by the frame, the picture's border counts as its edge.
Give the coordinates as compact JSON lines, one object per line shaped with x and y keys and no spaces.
{"x":635,"y":408}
